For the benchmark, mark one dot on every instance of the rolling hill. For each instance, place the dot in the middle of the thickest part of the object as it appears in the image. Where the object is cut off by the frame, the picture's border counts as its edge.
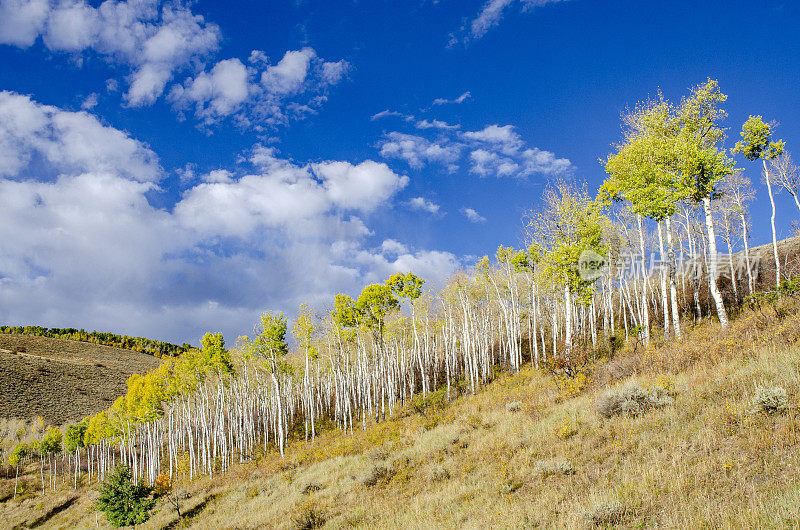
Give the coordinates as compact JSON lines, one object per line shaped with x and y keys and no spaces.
{"x":63,"y":380}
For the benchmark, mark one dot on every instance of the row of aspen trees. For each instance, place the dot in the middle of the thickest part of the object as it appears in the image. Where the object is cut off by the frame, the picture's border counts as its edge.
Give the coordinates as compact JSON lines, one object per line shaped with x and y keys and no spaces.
{"x":639,"y":257}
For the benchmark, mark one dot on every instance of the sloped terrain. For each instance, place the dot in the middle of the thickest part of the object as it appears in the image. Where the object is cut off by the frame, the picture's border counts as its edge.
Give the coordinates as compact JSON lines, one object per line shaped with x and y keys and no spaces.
{"x":63,"y":380}
{"x":530,"y":450}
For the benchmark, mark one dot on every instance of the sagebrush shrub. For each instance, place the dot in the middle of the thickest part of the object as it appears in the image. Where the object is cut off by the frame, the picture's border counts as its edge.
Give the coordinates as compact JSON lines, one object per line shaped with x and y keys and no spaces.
{"x":770,"y":400}
{"x":631,"y":400}
{"x":308,"y":516}
{"x":510,"y":486}
{"x":546,"y":468}
{"x":606,"y":513}
{"x":376,"y":475}
{"x":439,"y":474}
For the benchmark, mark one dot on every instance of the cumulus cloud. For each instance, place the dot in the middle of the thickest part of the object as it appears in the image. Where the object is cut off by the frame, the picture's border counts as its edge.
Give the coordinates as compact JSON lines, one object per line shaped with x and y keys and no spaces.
{"x":85,"y":246}
{"x":157,"y":40}
{"x":473,"y":215}
{"x":494,"y":150}
{"x":495,"y":134}
{"x":22,"y":21}
{"x":231,"y":88}
{"x":57,"y":141}
{"x":288,"y":197}
{"x":215,"y":94}
{"x":90,"y":102}
{"x":418,"y":151}
{"x":423,"y":204}
{"x":500,"y":151}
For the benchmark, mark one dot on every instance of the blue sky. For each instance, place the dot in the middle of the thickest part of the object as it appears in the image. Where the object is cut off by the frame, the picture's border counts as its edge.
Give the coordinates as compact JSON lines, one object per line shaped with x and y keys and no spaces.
{"x":173,"y":168}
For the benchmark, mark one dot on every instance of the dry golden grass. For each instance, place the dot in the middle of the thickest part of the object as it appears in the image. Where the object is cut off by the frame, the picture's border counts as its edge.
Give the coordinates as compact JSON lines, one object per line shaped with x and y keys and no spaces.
{"x":63,"y":380}
{"x":549,"y":461}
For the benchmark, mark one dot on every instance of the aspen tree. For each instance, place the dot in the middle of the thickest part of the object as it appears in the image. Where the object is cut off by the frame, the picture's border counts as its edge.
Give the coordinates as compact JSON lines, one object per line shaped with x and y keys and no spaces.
{"x":757,"y":143}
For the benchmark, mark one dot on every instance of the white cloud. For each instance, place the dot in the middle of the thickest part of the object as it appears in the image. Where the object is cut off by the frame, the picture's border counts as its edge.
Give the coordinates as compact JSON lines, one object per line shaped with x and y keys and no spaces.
{"x":215,"y":94}
{"x":157,"y":40}
{"x":59,"y":141}
{"x":231,"y":88}
{"x":499,"y":151}
{"x":154,"y":39}
{"x":486,"y":163}
{"x":389,"y":114}
{"x":393,"y":247}
{"x":434,"y":266}
{"x":332,"y":73}
{"x":90,"y":102}
{"x":460,"y":99}
{"x":361,"y":187}
{"x":423,"y":204}
{"x":288,"y":75}
{"x":496,"y":134}
{"x":218,"y":175}
{"x":494,"y":150}
{"x":418,"y":151}
{"x":490,"y":15}
{"x":436,"y":124}
{"x":22,"y":21}
{"x":473,"y":215}
{"x":86,"y":247}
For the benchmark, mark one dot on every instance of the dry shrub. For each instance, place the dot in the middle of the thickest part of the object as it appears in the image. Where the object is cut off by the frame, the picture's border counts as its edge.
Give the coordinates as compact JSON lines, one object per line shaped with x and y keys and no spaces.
{"x":308,"y":516}
{"x":606,"y":512}
{"x":510,"y":486}
{"x":631,"y":400}
{"x":439,"y":474}
{"x":770,"y":400}
{"x":378,"y":474}
{"x":311,"y":487}
{"x":567,"y":428}
{"x":546,"y":468}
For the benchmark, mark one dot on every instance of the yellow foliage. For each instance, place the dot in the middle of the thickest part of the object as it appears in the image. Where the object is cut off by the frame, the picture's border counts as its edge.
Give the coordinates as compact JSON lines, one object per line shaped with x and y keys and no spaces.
{"x":567,"y":428}
{"x":570,"y":387}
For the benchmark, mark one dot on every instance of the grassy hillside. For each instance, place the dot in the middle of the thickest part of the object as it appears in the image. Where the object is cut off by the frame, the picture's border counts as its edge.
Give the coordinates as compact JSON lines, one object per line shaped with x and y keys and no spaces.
{"x":63,"y":380}
{"x":139,"y":344}
{"x":531,"y":450}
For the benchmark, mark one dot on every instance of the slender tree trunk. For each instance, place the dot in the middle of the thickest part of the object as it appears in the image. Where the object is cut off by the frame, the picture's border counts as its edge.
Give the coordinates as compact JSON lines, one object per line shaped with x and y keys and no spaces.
{"x":794,"y":196}
{"x":567,"y":322}
{"x":772,"y":220}
{"x":712,"y":265}
{"x":673,"y":290}
{"x":645,"y":316}
{"x":664,"y":274}
{"x":750,"y":283}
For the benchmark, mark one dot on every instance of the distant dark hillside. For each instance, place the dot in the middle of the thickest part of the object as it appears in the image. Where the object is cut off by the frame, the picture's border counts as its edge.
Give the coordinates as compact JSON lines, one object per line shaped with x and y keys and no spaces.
{"x":140,"y":344}
{"x":63,"y":380}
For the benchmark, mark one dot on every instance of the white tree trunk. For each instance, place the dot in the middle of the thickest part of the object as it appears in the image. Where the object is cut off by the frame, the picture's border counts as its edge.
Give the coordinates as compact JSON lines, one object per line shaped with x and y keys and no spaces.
{"x":673,"y":290}
{"x":645,"y":320}
{"x":664,"y":274}
{"x":712,"y":265}
{"x":774,"y":235}
{"x":750,"y":282}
